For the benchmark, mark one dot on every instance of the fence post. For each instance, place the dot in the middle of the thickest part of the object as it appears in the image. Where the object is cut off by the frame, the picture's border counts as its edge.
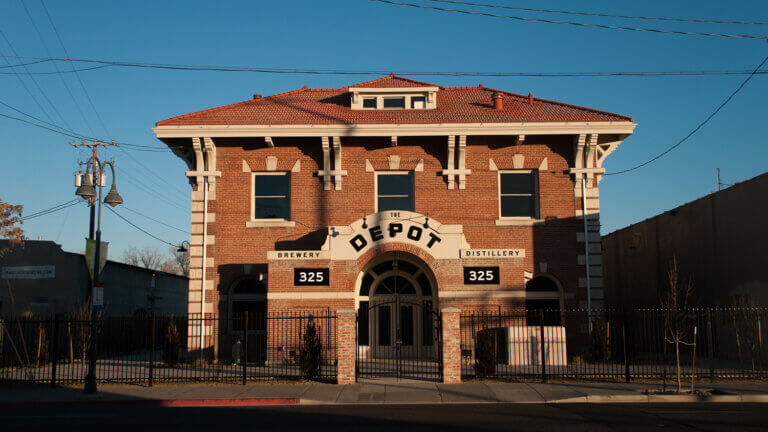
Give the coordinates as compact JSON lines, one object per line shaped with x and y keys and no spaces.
{"x":54,"y":350}
{"x":626,"y":350}
{"x":710,"y":345}
{"x":245,"y":347}
{"x":543,"y":355}
{"x":152,"y":343}
{"x":346,"y":346}
{"x":451,"y":329}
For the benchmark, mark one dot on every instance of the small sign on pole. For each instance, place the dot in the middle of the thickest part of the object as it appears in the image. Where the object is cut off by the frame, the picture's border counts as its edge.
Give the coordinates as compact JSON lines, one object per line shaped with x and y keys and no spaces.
{"x":90,"y":255}
{"x":97,"y":299}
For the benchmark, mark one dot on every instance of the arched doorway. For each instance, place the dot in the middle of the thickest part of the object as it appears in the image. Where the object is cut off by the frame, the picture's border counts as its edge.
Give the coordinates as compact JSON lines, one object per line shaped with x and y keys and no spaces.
{"x":398,"y":327}
{"x":543,"y":301}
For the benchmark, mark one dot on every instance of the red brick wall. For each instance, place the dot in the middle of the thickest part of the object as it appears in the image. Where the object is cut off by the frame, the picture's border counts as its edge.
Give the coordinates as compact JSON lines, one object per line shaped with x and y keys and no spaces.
{"x":476,"y":208}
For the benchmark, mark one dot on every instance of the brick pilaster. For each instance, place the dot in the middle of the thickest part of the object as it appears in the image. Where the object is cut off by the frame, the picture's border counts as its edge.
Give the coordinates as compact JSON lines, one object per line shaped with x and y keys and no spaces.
{"x":451,"y":346}
{"x":346,"y":345}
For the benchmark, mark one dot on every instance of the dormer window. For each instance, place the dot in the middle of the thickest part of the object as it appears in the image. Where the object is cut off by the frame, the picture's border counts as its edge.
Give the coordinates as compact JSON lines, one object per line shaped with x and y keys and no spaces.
{"x":396,"y":102}
{"x":369,"y":102}
{"x":396,"y":98}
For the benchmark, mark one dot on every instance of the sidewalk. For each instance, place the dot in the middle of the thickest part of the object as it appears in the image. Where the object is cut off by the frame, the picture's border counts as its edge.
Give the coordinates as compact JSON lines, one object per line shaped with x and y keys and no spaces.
{"x":373,"y":393}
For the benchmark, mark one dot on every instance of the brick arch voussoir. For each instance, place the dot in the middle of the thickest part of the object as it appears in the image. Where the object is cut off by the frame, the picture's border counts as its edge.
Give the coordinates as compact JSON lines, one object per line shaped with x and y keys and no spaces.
{"x":416,"y":251}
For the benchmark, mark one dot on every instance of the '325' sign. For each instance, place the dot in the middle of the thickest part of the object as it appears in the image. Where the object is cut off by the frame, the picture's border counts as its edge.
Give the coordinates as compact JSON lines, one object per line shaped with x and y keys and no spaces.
{"x":311,"y":276}
{"x":481,"y":275}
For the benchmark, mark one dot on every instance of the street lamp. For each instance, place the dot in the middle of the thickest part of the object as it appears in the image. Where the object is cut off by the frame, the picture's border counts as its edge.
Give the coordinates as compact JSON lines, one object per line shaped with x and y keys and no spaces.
{"x":86,"y":188}
{"x":182,"y":248}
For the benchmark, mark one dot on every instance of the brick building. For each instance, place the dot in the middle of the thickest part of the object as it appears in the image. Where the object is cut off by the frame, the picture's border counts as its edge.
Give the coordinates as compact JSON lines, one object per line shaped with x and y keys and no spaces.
{"x":396,"y":192}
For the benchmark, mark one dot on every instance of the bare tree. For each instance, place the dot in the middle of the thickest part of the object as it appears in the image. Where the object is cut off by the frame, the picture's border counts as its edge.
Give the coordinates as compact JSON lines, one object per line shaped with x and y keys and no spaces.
{"x":10,"y":225}
{"x":677,"y":317}
{"x":147,"y":257}
{"x":177,"y":263}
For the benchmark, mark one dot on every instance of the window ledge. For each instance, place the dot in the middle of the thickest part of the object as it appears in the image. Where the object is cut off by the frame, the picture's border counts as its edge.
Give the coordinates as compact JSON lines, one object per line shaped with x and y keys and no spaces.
{"x":519,"y":222}
{"x":270,"y":223}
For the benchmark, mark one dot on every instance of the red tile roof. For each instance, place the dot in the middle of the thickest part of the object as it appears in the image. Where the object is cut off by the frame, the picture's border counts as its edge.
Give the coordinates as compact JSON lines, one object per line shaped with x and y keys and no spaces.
{"x":307,"y":106}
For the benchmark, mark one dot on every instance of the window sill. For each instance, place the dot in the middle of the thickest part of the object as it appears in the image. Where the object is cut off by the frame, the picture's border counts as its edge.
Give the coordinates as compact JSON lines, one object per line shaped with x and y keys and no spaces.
{"x":270,"y":223}
{"x":519,"y":222}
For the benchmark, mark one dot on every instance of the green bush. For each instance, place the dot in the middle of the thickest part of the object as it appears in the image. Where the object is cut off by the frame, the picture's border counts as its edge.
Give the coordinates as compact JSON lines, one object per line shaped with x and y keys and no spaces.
{"x":485,"y":353}
{"x":311,"y":349}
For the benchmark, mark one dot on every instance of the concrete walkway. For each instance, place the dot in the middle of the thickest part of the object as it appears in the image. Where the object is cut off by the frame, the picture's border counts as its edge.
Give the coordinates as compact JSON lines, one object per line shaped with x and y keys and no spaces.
{"x":377,"y":392}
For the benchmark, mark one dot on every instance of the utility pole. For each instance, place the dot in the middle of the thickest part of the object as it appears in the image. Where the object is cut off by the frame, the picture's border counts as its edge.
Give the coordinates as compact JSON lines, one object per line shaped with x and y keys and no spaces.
{"x":95,"y":175}
{"x":94,"y":145}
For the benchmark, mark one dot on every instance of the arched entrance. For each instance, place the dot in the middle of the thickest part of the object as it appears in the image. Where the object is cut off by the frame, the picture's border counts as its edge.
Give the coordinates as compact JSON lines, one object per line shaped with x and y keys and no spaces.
{"x":543,"y":301}
{"x":398,"y":327}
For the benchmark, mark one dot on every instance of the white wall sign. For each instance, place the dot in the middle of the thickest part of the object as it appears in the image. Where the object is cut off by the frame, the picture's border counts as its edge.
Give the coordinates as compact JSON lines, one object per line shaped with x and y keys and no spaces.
{"x":298,"y":255}
{"x":29,"y":272}
{"x":492,"y":253}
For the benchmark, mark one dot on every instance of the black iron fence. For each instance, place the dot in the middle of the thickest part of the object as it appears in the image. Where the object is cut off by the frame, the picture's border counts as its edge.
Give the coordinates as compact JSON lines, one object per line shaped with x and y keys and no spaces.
{"x":616,"y":344}
{"x":145,"y":350}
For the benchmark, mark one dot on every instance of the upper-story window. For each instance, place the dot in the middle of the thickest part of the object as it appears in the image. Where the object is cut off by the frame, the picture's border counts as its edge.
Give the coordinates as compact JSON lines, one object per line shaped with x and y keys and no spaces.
{"x":394,"y":102}
{"x":272,"y":195}
{"x":369,"y":102}
{"x":418,"y":102}
{"x":398,"y":98}
{"x":518,"y":194}
{"x":394,"y":191}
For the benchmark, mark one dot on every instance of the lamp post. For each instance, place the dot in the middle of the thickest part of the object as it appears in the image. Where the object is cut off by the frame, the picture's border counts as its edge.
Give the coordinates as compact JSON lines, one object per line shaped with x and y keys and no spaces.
{"x":96,"y":170}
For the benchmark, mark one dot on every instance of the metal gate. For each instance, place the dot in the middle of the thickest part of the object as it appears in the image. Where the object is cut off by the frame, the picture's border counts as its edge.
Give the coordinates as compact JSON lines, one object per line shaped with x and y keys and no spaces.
{"x":399,"y":337}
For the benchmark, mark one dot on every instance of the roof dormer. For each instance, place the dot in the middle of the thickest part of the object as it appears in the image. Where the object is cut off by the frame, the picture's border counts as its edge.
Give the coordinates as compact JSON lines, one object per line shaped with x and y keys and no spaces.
{"x":393,"y":98}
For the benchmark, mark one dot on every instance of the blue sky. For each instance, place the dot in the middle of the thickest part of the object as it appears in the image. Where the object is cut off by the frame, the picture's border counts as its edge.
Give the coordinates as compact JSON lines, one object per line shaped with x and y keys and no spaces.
{"x":37,"y":166}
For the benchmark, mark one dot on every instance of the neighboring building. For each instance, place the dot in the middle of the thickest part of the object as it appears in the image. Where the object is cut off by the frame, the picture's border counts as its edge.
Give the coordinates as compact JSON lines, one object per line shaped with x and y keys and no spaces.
{"x":393,"y":190}
{"x":719,"y":241}
{"x":42,"y":279}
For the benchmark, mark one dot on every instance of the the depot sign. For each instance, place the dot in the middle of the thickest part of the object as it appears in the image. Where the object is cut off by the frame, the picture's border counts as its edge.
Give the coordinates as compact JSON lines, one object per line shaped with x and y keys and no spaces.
{"x":372,"y":231}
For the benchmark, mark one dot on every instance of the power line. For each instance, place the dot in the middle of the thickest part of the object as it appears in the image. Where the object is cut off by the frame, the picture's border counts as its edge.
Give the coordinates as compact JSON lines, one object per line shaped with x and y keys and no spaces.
{"x":170,"y":200}
{"x":55,"y":65}
{"x":75,"y":134}
{"x":53,"y":209}
{"x":24,"y":64}
{"x":693,"y":20}
{"x":309,"y":71}
{"x":34,"y":81}
{"x":66,"y":53}
{"x":56,"y":72}
{"x":40,"y":126}
{"x":36,"y":118}
{"x":155,"y":220}
{"x":139,"y":228}
{"x":578,"y":24}
{"x":699,"y":126}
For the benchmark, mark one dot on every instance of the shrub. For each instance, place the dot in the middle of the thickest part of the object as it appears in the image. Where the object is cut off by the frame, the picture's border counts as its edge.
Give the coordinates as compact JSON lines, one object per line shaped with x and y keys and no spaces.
{"x":172,"y":345}
{"x":485,"y":353}
{"x":311,"y":349}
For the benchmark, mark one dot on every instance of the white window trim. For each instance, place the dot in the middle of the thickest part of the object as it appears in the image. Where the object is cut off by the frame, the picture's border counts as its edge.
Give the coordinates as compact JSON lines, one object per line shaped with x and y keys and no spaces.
{"x":266,"y":222}
{"x":518,"y":220}
{"x":406,"y":96}
{"x":376,"y":186}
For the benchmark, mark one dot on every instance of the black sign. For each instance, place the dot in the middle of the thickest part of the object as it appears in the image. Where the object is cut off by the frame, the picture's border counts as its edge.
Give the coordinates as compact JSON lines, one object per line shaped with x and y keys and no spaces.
{"x":481,"y":275}
{"x":311,"y":276}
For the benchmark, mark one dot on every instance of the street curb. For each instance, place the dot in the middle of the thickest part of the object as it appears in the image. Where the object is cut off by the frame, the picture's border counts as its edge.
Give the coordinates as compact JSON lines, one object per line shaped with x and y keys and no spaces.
{"x":659,"y":398}
{"x":156,"y":403}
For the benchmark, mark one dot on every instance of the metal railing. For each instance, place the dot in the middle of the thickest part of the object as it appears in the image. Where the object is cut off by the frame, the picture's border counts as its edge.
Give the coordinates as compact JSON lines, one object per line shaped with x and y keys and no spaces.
{"x":150,"y":349}
{"x":707,"y":343}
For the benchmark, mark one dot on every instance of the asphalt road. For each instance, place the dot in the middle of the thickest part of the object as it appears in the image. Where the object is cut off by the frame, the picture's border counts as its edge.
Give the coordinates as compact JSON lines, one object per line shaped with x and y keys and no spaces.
{"x":394,"y":418}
